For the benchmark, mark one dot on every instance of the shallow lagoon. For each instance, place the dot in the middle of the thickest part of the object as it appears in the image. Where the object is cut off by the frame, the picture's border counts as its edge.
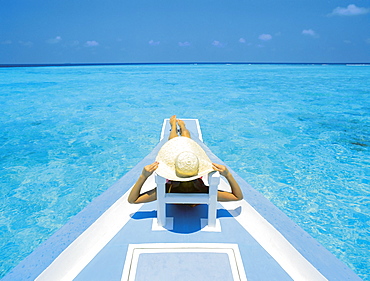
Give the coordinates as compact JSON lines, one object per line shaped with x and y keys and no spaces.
{"x":298,"y":133}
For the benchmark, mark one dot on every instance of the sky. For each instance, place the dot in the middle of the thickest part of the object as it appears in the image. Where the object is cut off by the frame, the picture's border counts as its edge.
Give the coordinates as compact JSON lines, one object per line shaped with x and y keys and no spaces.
{"x":154,"y":31}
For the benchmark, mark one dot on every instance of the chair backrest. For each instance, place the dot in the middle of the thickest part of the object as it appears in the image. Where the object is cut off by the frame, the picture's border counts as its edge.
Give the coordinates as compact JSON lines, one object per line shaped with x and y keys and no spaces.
{"x":188,"y":198}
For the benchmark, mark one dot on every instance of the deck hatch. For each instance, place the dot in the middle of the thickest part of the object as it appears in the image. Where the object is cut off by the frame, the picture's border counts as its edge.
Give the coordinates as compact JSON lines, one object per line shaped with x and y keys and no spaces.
{"x":183,"y":261}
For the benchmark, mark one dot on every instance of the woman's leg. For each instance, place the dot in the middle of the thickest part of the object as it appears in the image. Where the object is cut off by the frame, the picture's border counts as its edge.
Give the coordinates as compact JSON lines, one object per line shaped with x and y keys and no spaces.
{"x":173,"y":124}
{"x":183,"y":130}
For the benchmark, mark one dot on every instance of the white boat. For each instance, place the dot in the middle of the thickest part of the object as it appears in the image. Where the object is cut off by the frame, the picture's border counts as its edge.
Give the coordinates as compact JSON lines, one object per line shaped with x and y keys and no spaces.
{"x":114,"y":240}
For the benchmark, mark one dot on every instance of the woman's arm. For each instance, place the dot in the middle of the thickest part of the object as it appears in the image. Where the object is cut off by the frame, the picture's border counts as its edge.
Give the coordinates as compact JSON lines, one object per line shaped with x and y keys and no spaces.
{"x":135,"y":197}
{"x":236,"y":193}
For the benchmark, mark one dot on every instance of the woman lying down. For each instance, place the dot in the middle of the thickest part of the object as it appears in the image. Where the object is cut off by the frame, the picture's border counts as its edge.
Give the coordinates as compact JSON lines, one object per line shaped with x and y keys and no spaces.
{"x":183,"y":163}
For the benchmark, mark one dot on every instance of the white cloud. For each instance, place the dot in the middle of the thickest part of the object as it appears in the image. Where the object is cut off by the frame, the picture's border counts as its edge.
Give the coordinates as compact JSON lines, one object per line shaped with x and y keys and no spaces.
{"x":184,"y":44}
{"x":154,"y":43}
{"x":6,"y":42}
{"x":265,"y":37}
{"x":367,"y":40}
{"x":244,"y":41}
{"x":309,"y":32}
{"x":54,"y":40}
{"x":92,"y":43}
{"x":218,"y":44}
{"x":351,"y":10}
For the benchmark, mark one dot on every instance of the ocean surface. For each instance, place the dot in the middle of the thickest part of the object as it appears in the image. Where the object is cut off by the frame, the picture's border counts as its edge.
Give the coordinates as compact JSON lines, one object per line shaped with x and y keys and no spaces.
{"x":300,"y":134}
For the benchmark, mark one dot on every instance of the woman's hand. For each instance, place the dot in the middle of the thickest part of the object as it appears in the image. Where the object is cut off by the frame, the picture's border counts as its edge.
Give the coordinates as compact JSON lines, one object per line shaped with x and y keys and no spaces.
{"x":221,"y":169}
{"x":135,"y":197}
{"x":236,"y":193}
{"x":149,"y":169}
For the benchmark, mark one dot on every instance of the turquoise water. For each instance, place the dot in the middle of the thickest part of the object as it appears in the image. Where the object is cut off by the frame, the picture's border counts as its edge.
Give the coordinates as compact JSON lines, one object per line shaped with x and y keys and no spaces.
{"x":299,"y":134}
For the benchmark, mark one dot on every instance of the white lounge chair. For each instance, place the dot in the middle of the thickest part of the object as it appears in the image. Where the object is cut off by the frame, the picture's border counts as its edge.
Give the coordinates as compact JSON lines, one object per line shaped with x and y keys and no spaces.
{"x":210,"y":198}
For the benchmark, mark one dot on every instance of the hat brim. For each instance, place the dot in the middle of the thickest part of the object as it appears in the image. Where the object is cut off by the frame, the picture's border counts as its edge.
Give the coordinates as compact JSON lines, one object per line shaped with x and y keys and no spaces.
{"x":168,"y":153}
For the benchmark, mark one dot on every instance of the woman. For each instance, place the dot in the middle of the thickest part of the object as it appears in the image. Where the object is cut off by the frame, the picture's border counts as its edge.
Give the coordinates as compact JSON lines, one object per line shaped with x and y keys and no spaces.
{"x":183,"y":162}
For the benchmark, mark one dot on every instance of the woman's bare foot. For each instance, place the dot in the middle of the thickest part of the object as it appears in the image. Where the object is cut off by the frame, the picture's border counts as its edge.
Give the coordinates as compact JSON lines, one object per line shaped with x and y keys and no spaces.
{"x":173,"y":124}
{"x":173,"y":120}
{"x":181,"y":123}
{"x":183,"y":131}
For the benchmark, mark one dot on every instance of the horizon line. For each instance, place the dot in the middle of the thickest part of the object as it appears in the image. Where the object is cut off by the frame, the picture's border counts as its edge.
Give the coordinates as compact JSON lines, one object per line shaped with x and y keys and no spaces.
{"x":167,"y":63}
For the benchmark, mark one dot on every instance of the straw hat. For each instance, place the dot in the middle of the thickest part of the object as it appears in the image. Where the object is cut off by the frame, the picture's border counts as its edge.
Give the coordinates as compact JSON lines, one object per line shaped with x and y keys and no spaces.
{"x":182,"y":159}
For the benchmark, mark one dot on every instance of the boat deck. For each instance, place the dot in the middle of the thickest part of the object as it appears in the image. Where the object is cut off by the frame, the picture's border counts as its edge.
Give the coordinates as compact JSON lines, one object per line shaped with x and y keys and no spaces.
{"x":114,"y":240}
